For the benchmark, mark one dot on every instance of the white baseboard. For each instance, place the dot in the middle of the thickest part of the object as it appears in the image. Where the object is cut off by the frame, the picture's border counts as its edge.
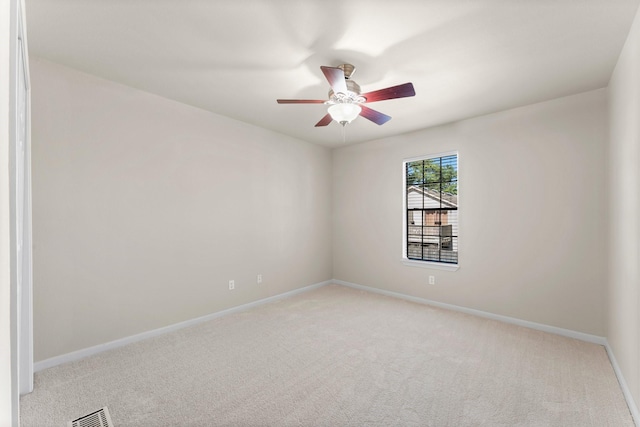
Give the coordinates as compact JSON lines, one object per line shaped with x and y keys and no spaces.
{"x":81,"y":354}
{"x":633,"y":408}
{"x":506,"y":319}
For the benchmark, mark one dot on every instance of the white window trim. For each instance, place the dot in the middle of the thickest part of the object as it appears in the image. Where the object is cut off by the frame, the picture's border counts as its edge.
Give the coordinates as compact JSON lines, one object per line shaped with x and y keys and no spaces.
{"x":424,"y":264}
{"x":430,"y":264}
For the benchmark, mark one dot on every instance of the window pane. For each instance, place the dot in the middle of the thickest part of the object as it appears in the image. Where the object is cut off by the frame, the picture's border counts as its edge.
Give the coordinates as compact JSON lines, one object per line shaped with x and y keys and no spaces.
{"x":414,"y":172}
{"x":450,"y":188}
{"x":432,"y":170}
{"x":432,"y":209}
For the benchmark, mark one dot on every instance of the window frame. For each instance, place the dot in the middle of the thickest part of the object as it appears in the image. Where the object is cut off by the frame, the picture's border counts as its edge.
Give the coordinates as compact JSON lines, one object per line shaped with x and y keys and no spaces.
{"x":435,"y":265}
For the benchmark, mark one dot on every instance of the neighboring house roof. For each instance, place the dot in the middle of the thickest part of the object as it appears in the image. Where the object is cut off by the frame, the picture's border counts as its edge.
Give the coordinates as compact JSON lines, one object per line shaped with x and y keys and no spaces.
{"x":447,"y":199}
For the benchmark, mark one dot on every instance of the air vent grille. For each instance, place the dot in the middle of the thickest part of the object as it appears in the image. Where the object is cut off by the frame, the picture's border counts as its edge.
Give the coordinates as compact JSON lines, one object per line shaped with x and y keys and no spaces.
{"x":99,"y":418}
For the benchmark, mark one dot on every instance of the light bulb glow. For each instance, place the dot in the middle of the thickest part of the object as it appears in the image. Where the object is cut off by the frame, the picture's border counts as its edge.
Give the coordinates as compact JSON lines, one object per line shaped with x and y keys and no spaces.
{"x":344,"y":113}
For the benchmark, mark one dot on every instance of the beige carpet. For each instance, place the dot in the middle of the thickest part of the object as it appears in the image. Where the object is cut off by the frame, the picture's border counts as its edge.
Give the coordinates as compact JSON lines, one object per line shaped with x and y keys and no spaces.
{"x":336,"y":356}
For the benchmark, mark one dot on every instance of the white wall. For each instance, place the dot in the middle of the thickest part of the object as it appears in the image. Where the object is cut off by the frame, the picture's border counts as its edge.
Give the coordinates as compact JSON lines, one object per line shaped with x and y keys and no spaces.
{"x":533,"y":213}
{"x":144,"y":208}
{"x":624,"y":277}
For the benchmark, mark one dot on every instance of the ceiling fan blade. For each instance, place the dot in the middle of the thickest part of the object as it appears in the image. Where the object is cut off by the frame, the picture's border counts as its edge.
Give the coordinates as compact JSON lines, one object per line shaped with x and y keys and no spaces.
{"x":324,"y":121}
{"x":335,"y":77}
{"x":300,"y":101}
{"x":400,"y":91}
{"x":375,"y":116}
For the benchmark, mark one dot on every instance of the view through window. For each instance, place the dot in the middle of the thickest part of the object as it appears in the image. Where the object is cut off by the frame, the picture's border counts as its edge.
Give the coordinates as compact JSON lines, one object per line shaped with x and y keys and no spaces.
{"x":432,"y":209}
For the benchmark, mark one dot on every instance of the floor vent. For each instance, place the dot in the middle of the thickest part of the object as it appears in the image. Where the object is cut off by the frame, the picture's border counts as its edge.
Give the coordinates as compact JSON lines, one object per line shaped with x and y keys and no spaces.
{"x":99,"y":418}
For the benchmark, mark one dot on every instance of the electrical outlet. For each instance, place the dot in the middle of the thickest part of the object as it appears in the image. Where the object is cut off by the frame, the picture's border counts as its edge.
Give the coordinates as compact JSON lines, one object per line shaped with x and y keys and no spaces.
{"x":259,"y":279}
{"x":232,"y":285}
{"x":432,"y":280}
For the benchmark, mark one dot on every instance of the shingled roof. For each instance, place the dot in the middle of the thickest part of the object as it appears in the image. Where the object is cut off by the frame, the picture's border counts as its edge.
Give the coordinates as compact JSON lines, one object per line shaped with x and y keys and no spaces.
{"x":448,"y":199}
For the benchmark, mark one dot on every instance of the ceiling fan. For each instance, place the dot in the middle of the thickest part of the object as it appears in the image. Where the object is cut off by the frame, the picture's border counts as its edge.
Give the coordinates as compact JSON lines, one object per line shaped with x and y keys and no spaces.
{"x":345,"y":100}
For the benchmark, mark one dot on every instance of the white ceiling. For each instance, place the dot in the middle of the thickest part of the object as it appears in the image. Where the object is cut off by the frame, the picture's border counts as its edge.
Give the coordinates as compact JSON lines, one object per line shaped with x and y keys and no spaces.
{"x":236,"y":57}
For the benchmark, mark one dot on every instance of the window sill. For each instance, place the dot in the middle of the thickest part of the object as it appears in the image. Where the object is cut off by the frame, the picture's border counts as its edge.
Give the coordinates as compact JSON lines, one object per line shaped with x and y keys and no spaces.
{"x":430,"y":265}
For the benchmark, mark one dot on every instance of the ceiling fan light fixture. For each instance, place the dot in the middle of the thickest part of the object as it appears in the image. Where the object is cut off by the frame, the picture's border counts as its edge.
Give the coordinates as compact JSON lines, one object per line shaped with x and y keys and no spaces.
{"x":344,"y":113}
{"x":345,"y":101}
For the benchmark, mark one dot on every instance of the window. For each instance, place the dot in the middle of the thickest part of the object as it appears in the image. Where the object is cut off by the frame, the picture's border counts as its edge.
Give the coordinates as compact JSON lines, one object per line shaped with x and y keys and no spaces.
{"x":431,"y":209}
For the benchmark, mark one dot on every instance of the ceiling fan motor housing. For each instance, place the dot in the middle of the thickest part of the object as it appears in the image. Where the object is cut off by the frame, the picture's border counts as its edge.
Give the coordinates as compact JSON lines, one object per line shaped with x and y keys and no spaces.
{"x":348,"y":70}
{"x":353,"y":92}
